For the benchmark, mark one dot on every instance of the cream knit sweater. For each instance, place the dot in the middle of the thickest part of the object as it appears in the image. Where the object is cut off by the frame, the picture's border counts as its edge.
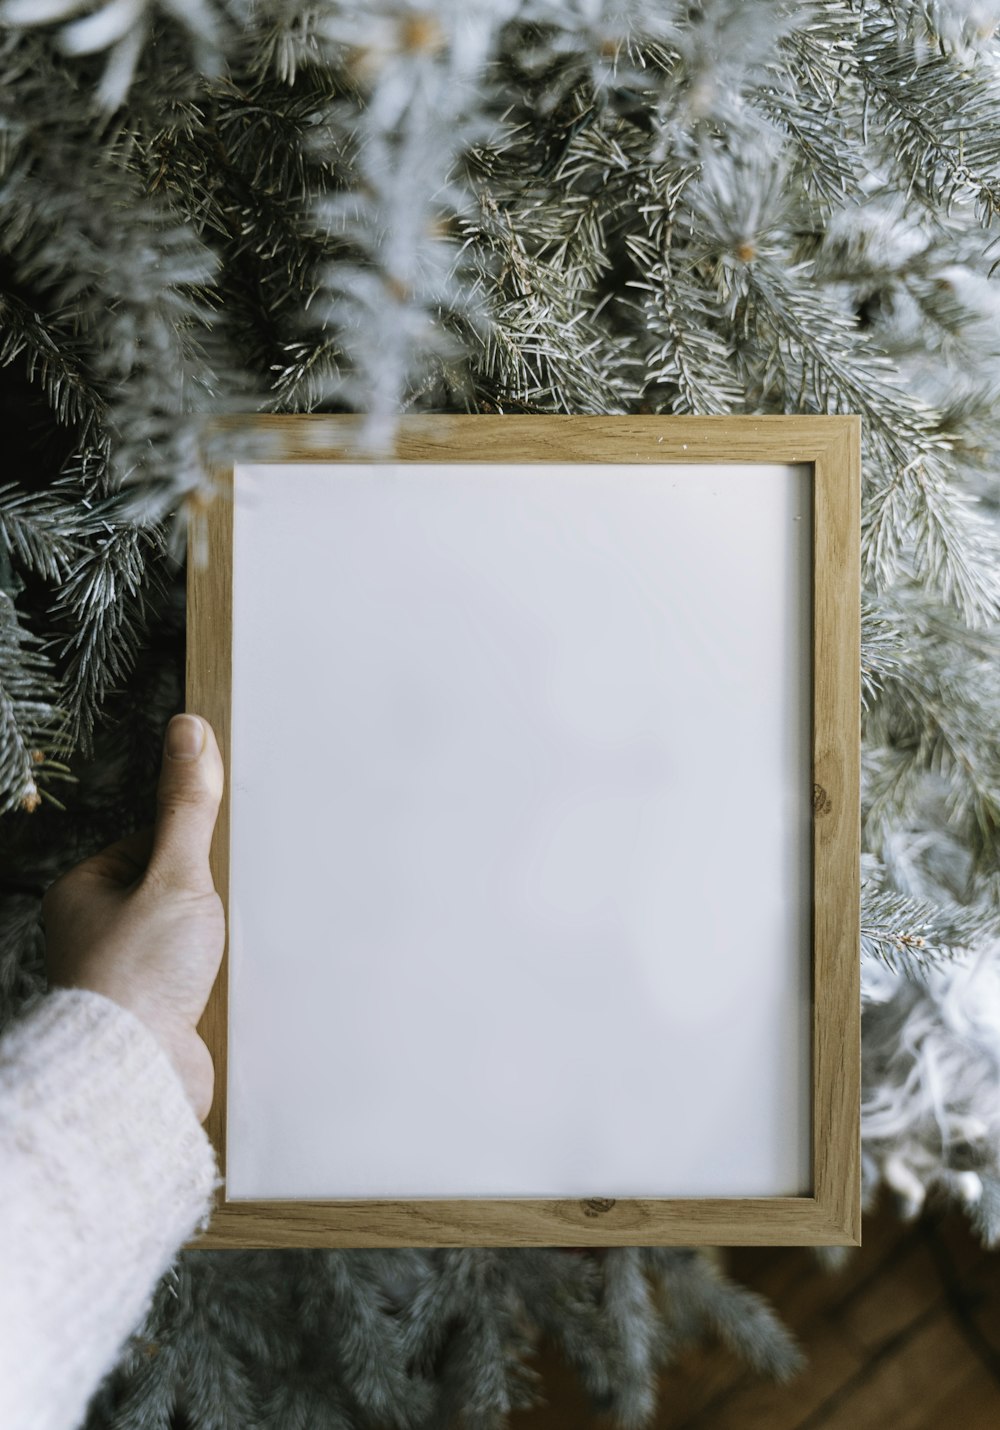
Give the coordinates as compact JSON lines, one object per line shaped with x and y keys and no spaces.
{"x":105,"y":1172}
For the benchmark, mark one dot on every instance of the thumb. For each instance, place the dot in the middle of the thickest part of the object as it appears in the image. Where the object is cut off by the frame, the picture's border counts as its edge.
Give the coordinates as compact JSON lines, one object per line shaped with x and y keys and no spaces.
{"x":187,"y":805}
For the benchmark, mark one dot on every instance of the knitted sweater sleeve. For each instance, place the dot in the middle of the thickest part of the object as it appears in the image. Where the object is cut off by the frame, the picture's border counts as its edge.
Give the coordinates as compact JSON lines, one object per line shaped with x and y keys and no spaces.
{"x":105,"y":1172}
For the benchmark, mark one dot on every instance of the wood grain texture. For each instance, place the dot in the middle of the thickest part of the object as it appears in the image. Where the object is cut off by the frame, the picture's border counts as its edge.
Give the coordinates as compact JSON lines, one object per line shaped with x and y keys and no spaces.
{"x":208,"y":670}
{"x":476,"y":438}
{"x":831,"y":446}
{"x":837,"y":829}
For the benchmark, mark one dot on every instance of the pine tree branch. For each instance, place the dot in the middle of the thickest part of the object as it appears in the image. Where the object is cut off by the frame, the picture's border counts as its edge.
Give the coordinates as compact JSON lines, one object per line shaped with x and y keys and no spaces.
{"x":36,"y":530}
{"x":124,"y":32}
{"x":926,"y":718}
{"x":944,"y":148}
{"x":882,"y":648}
{"x":103,"y":601}
{"x":687,"y":354}
{"x":701,"y":1300}
{"x":31,"y":720}
{"x":911,"y":935}
{"x":47,"y":350}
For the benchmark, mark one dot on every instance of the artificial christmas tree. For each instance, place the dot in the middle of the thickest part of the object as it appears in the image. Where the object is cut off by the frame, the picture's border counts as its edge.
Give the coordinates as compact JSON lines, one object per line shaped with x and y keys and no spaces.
{"x":739,"y":206}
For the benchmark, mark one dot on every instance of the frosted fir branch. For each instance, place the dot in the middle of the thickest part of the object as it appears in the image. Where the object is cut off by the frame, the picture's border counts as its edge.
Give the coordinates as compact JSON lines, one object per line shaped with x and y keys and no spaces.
{"x":807,"y":348}
{"x":103,"y":601}
{"x":686,"y":352}
{"x":471,"y":1315}
{"x":962,"y":305}
{"x":688,"y":347}
{"x":945,"y":149}
{"x":146,"y":1387}
{"x":911,"y":935}
{"x":124,"y":28}
{"x":370,"y":1343}
{"x":922,"y":849}
{"x":543,"y":348}
{"x":807,"y":358}
{"x":916,"y":508}
{"x":194,"y":1318}
{"x":818,"y":50}
{"x":960,"y":27}
{"x":968,"y":414}
{"x":819,"y":149}
{"x":485,"y":1374}
{"x":956,"y":548}
{"x":739,"y":203}
{"x":272,"y":137}
{"x":225,"y":1378}
{"x":571,"y":236}
{"x":564,"y":1296}
{"x":797,"y":346}
{"x":85,"y":478}
{"x":460,"y":1314}
{"x":546,"y":275}
{"x":635,"y":1339}
{"x":203,"y":1340}
{"x":560,"y":1294}
{"x":666,"y":68}
{"x":301,"y":1402}
{"x":945,"y":661}
{"x":892,"y":780}
{"x":922,"y":294}
{"x":424,"y":1312}
{"x":398,"y":54}
{"x":886,"y":523}
{"x":942,"y":629}
{"x":389,"y":339}
{"x":247,"y":175}
{"x":882,"y":647}
{"x":686,"y":72}
{"x":419,"y":117}
{"x":878,"y":247}
{"x":809,"y":102}
{"x":700,"y":1300}
{"x":931,"y":1083}
{"x":47,"y":352}
{"x":926,"y":859}
{"x":594,"y":47}
{"x":37,"y":530}
{"x":306,"y":374}
{"x":287,"y":41}
{"x":32,"y":722}
{"x":521,"y":168}
{"x":931,"y":716}
{"x":136,"y":279}
{"x":736,"y":47}
{"x":985,"y":1212}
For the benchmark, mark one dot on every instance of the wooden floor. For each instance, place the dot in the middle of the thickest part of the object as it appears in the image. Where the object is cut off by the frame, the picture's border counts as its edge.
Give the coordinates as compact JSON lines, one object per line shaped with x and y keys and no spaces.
{"x":905,"y":1337}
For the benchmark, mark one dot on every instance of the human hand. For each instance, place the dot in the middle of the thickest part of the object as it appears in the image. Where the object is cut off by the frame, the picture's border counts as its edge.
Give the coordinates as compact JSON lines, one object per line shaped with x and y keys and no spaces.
{"x":141,"y":921}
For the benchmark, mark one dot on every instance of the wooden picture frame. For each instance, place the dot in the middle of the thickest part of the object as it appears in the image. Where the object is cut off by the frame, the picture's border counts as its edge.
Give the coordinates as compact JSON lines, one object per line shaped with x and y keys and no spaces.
{"x":828,"y":448}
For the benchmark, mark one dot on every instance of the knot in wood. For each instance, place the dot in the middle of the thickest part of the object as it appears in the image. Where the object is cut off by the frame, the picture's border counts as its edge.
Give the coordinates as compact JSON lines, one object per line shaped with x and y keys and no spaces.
{"x":596,"y":1206}
{"x":822,"y":803}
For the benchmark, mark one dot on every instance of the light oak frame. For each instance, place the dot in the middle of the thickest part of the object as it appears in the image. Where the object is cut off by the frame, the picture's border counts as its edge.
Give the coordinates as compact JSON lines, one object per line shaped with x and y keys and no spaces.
{"x":831,"y":1215}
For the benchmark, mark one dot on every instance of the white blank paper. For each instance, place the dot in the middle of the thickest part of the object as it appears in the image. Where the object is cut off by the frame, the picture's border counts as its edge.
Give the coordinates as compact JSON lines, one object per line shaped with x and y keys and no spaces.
{"x":520,"y":850}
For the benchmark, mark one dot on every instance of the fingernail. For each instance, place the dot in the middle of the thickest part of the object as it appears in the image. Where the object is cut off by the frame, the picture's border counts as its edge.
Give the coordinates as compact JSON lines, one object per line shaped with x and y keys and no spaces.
{"x":185,"y":737}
